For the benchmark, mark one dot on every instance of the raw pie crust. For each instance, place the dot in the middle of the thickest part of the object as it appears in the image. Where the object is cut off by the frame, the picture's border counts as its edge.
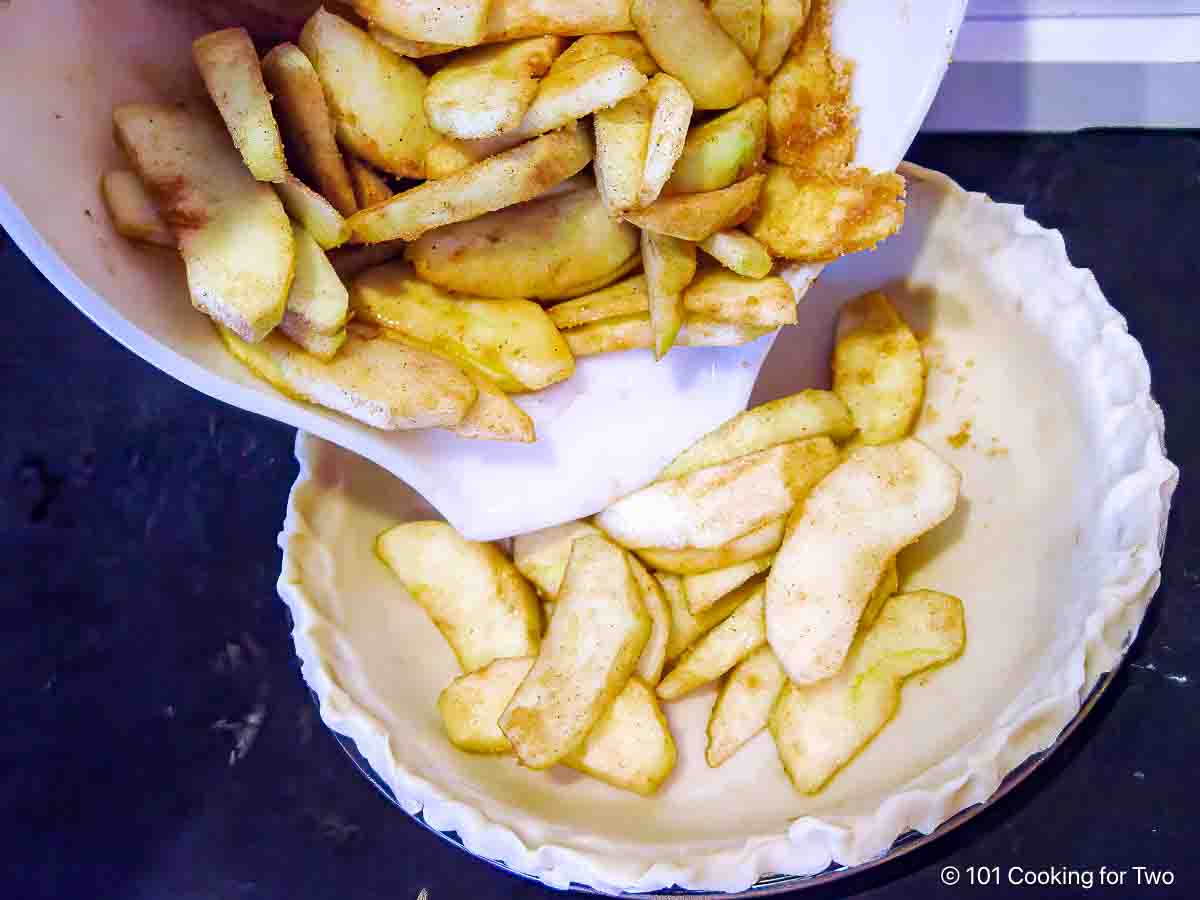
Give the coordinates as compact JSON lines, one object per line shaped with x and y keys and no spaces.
{"x":1036,"y":392}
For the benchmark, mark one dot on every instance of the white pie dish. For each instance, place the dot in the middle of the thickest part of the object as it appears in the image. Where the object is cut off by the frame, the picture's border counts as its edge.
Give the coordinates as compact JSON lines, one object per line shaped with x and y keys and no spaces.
{"x":1054,"y":550}
{"x":77,"y":58}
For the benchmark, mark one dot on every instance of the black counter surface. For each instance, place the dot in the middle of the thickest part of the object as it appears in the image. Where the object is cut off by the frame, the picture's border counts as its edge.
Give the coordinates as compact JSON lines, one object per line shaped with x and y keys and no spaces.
{"x":158,"y":741}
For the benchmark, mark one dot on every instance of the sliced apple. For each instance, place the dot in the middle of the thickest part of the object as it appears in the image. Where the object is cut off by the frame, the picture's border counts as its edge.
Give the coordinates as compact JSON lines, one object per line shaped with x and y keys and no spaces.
{"x":742,"y":20}
{"x":877,"y":502}
{"x":494,"y":416}
{"x":686,"y":41}
{"x":721,"y":151}
{"x":670,"y":265}
{"x":486,"y":91}
{"x":572,"y":93}
{"x":318,"y":216}
{"x":132,"y":209}
{"x":729,"y":297}
{"x":234,"y":236}
{"x":878,"y":369}
{"x":807,"y":414}
{"x":460,"y":23}
{"x":541,"y":556}
{"x":318,"y":303}
{"x":376,"y":96}
{"x":627,"y":45}
{"x":722,"y":648}
{"x":781,"y":22}
{"x":378,"y":382}
{"x":809,"y":96}
{"x":591,"y":649}
{"x":817,"y":217}
{"x":406,"y":47}
{"x":711,"y":507}
{"x":624,"y":298}
{"x":508,"y":19}
{"x":622,"y":134}
{"x":635,"y":333}
{"x":556,"y":246}
{"x":888,"y":585}
{"x":740,"y":253}
{"x":304,"y":117}
{"x":692,"y":561}
{"x":511,"y":177}
{"x":688,"y":627}
{"x":668,"y":131}
{"x":650,"y":663}
{"x":370,"y":188}
{"x":706,"y":588}
{"x":512,"y":341}
{"x":631,"y":746}
{"x":694,"y":217}
{"x":471,"y":591}
{"x":229,"y":65}
{"x":472,"y":704}
{"x":818,"y":728}
{"x":743,"y":707}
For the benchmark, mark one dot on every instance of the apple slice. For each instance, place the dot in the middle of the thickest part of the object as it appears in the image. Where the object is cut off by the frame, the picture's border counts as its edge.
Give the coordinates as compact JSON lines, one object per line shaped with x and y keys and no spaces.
{"x":472,"y":704}
{"x":693,"y":560}
{"x":743,"y":707}
{"x":375,"y":96}
{"x":878,"y":369}
{"x":132,"y":209}
{"x":378,"y":382}
{"x":229,"y":66}
{"x":234,"y":236}
{"x":706,"y":588}
{"x":668,"y":131}
{"x":512,"y":341}
{"x":494,"y":417}
{"x":654,"y":654}
{"x":591,"y":649}
{"x":694,"y":217}
{"x":457,"y":22}
{"x":631,"y":746}
{"x":670,"y":265}
{"x":317,"y":306}
{"x":714,"y":506}
{"x":808,"y":414}
{"x":303,"y":114}
{"x":472,"y":592}
{"x":685,"y":39}
{"x":721,"y":649}
{"x":877,"y":502}
{"x":738,"y":252}
{"x":314,"y":212}
{"x":514,"y":176}
{"x":818,"y":728}
{"x":369,"y":186}
{"x":688,"y":627}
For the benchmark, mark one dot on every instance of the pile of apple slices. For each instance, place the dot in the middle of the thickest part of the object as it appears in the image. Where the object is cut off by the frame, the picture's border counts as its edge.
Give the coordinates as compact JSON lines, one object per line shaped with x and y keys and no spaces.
{"x":422,"y":207}
{"x":765,"y":554}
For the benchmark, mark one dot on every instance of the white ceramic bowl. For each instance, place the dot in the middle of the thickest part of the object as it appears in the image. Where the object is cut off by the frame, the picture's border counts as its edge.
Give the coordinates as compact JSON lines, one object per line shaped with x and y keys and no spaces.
{"x":67,"y":62}
{"x":1040,"y":397}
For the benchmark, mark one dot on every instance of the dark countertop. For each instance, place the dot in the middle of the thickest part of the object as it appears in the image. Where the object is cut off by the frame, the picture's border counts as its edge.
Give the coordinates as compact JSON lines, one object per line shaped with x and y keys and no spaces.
{"x":142,"y":637}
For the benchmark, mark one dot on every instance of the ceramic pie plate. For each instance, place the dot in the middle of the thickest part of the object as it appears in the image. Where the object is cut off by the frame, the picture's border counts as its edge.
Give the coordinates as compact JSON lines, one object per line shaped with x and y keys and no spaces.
{"x":1036,"y":392}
